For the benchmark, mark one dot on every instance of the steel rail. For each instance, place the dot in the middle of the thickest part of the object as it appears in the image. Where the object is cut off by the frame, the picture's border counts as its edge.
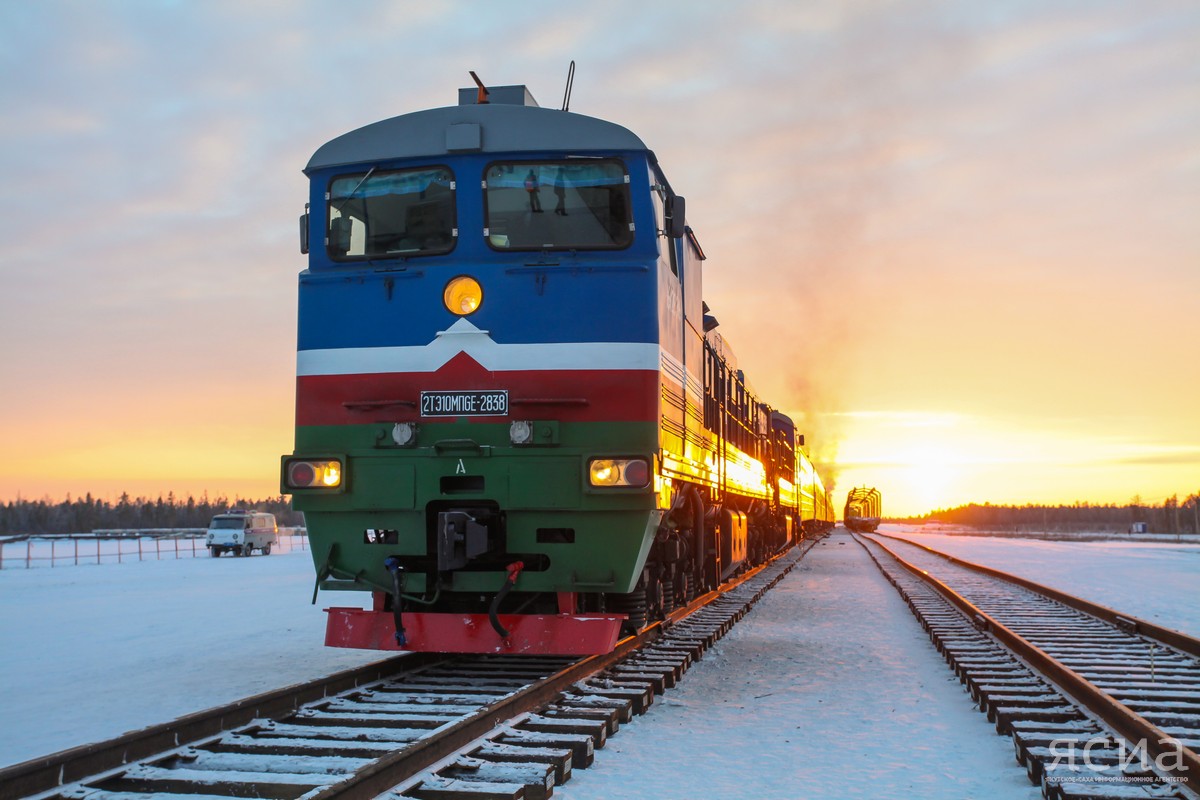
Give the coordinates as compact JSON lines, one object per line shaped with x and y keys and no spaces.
{"x":78,"y":763}
{"x":1127,"y":622}
{"x":1122,"y":719}
{"x":405,"y":764}
{"x":87,"y":762}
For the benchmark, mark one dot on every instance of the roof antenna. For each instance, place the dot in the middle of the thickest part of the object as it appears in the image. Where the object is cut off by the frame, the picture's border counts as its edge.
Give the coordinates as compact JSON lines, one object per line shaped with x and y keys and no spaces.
{"x":570,"y":83}
{"x":482,"y":97}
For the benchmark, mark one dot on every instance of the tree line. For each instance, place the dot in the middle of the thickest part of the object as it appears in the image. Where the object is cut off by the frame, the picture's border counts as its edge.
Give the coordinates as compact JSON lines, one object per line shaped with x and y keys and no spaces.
{"x":86,"y":514}
{"x":1172,"y":516}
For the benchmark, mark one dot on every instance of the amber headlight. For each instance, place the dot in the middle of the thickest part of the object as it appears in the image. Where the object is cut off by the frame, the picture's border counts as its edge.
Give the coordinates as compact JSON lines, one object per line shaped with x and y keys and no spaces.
{"x":463,"y":295}
{"x":628,"y":472}
{"x":313,"y":474}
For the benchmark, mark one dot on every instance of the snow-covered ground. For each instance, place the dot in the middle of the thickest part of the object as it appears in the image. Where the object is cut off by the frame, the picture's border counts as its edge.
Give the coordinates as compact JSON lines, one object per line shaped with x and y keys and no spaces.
{"x":51,"y":552}
{"x":1157,"y":581}
{"x":828,"y":689}
{"x":1050,"y":535}
{"x":88,"y":652}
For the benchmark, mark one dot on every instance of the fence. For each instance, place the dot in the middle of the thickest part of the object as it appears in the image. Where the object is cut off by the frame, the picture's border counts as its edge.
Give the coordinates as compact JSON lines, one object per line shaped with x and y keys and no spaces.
{"x":73,"y":550}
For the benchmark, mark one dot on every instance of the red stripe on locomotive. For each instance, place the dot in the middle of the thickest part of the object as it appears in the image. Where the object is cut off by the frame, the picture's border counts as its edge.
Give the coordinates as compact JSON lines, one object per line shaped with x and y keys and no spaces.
{"x":565,"y":395}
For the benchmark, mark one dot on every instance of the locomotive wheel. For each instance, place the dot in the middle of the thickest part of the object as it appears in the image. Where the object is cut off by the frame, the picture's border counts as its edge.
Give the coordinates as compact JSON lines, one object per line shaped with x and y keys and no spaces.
{"x":685,"y":588}
{"x":654,"y":599}
{"x":634,"y":604}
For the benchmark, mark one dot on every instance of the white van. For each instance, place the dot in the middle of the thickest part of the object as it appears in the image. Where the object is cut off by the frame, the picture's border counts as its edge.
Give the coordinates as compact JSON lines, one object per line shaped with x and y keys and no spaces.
{"x":241,"y":532}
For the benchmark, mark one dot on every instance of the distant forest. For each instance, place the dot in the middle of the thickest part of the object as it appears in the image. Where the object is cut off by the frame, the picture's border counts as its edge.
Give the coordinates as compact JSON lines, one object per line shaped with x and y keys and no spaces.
{"x":86,"y":514}
{"x":1171,"y":517}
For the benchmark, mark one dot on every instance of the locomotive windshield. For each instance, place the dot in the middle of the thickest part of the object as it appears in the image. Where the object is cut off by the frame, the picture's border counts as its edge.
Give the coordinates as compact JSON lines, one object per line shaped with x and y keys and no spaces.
{"x":381,"y":214}
{"x":558,"y":205}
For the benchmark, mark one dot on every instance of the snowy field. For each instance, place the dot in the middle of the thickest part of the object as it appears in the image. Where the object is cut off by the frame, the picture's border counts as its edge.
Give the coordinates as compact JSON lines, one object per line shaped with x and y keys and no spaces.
{"x":89,"y":652}
{"x":50,"y":552}
{"x":829,"y":688}
{"x":1157,"y":581}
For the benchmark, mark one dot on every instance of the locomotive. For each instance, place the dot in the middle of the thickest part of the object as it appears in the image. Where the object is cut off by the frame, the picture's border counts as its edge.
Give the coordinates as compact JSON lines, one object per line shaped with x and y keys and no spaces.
{"x":863,"y":509}
{"x":516,"y":425}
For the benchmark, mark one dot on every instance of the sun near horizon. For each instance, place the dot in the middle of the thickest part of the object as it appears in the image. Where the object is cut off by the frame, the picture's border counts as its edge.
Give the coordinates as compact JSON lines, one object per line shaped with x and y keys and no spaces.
{"x":921,"y":462}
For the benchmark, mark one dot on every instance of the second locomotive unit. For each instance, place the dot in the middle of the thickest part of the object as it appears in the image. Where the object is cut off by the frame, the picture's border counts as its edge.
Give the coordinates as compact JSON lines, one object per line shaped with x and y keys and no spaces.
{"x":863,"y":510}
{"x":515,"y":425}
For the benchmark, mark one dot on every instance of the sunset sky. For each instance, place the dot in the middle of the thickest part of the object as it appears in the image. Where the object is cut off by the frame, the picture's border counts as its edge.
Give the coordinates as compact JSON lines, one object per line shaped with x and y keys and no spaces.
{"x":960,"y":242}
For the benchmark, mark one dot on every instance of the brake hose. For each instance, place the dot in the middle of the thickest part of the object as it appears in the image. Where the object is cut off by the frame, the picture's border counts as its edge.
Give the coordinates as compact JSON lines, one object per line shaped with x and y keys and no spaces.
{"x":393,"y":566}
{"x":514,"y":570}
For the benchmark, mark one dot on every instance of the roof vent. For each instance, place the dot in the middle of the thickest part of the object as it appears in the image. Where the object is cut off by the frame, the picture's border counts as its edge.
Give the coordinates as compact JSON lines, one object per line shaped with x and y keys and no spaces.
{"x":504,"y":95}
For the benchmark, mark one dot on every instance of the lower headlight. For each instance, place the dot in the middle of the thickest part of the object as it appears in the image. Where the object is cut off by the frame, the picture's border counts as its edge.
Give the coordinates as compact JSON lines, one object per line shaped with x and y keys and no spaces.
{"x":627,"y":472}
{"x":404,"y":434}
{"x":520,"y":432}
{"x":313,"y":474}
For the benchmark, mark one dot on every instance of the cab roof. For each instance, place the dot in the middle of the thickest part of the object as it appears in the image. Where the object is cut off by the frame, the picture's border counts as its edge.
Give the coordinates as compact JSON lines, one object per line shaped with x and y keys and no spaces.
{"x":510,"y":123}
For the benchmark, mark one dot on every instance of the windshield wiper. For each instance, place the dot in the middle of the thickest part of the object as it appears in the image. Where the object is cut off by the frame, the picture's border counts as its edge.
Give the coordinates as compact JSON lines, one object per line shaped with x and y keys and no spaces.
{"x":354,"y":191}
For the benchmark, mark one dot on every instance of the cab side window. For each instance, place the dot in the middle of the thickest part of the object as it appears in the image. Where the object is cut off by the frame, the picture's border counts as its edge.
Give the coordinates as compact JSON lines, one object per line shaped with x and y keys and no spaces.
{"x":394,"y":213}
{"x":578,"y":204}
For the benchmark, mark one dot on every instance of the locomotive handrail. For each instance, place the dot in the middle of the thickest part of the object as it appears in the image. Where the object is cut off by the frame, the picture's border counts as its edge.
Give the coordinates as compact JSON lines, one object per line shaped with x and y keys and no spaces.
{"x":372,"y":405}
{"x":533,"y":267}
{"x":461,"y":444}
{"x":550,"y":401}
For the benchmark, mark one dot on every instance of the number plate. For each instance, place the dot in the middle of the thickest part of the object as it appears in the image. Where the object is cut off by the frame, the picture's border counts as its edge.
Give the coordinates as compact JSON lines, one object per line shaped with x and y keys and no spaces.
{"x":492,"y":403}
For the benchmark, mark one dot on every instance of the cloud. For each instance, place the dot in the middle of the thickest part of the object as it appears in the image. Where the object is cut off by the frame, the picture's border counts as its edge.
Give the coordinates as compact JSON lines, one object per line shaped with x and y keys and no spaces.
{"x":974,"y":212}
{"x":1167,"y":456}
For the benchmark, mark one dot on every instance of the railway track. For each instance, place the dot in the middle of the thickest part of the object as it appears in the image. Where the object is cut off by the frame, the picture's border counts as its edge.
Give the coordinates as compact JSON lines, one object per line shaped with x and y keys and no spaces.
{"x":1098,"y":704}
{"x":420,"y":725}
